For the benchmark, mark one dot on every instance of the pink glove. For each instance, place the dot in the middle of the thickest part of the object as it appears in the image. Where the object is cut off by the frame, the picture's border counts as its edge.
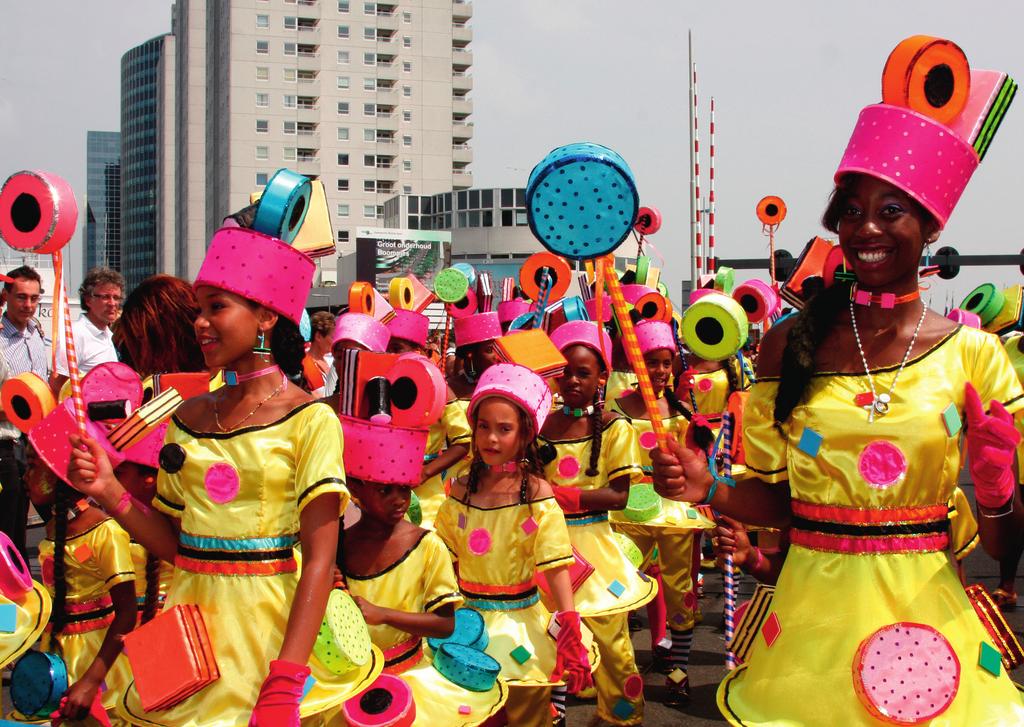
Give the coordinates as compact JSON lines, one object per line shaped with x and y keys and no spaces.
{"x":571,"y":660}
{"x":96,"y":711}
{"x":278,"y":703}
{"x":991,"y":440}
{"x":568,"y":498}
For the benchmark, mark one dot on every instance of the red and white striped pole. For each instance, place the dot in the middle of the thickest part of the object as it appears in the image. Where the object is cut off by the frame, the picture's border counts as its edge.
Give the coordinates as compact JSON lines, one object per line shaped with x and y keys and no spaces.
{"x":711,"y":191}
{"x":696,"y":180}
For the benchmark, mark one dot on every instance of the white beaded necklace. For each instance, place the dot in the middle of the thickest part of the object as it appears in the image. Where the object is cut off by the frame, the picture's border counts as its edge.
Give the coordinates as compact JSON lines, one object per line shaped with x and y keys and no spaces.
{"x":880,"y":402}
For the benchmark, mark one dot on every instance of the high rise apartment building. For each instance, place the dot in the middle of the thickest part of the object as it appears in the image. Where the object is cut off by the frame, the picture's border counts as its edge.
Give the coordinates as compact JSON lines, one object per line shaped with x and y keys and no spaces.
{"x":101,"y":231}
{"x":370,"y":97}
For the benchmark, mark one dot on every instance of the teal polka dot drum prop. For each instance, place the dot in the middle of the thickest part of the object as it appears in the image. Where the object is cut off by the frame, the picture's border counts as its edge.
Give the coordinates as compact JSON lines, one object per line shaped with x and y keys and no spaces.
{"x":581,"y":201}
{"x":467,"y":667}
{"x":343,"y":642}
{"x":470,"y":630}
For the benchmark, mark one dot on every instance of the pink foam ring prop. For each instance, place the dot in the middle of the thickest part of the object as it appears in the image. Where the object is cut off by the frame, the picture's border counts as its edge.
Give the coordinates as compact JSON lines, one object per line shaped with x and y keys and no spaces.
{"x":418,"y":391}
{"x":648,"y":220}
{"x":634,"y":292}
{"x":654,"y":336}
{"x":699,"y":293}
{"x":965,"y":318}
{"x":477,"y":328}
{"x":985,"y":87}
{"x":906,"y":673}
{"x":882,"y":464}
{"x":463,"y":308}
{"x":648,"y":440}
{"x":15,"y":577}
{"x":221,"y":482}
{"x":479,"y":541}
{"x":584,"y":333}
{"x":401,"y":712}
{"x":411,"y":326}
{"x":606,"y":310}
{"x":759,"y":300}
{"x":112,"y":381}
{"x":568,"y":467}
{"x":50,"y":439}
{"x":509,"y":310}
{"x":705,"y":385}
{"x":38,"y":212}
{"x":914,"y":153}
{"x":519,"y":385}
{"x":147,"y":451}
{"x":365,"y":330}
{"x":260,"y":268}
{"x":383,"y":452}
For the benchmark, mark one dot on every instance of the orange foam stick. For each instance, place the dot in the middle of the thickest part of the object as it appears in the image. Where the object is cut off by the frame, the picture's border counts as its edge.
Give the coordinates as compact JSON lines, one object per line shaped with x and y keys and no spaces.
{"x":631,"y":346}
{"x":69,"y":344}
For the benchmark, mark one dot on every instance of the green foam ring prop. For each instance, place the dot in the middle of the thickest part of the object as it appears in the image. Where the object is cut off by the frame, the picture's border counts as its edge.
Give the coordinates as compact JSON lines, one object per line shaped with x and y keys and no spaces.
{"x":451,"y":285}
{"x":643,"y":269}
{"x":725,"y":280}
{"x":343,"y":642}
{"x":643,"y":504}
{"x":415,"y":511}
{"x":715,"y":327}
{"x":986,"y":301}
{"x":630,"y":549}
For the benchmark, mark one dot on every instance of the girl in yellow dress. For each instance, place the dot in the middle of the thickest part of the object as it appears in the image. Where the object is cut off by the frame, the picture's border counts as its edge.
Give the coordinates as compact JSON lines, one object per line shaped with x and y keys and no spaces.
{"x":247,"y":471}
{"x":506,"y":533}
{"x":596,"y":458}
{"x":674,"y":528}
{"x":402,"y":578}
{"x":852,"y":433}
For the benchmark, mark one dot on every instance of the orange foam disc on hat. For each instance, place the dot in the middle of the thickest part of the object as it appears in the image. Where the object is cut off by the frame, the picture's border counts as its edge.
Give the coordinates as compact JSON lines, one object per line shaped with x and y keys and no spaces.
{"x":361,"y":298}
{"x":771,"y":210}
{"x":26,"y":400}
{"x":654,"y":306}
{"x":530,"y":275}
{"x":928,"y":75}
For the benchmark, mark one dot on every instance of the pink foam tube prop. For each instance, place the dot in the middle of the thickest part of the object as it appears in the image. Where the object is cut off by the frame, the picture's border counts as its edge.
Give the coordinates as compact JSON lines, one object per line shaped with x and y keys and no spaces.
{"x":418,"y":391}
{"x":38,"y":212}
{"x":759,"y":300}
{"x":606,"y":311}
{"x":966,"y":318}
{"x":465,"y":307}
{"x":15,"y":578}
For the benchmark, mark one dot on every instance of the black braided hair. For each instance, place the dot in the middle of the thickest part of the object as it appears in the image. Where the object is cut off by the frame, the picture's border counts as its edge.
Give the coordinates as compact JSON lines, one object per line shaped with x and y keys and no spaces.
{"x":702,"y":433}
{"x":730,"y":365}
{"x":809,"y":330}
{"x":149,"y":606}
{"x":62,"y":505}
{"x":596,"y":435}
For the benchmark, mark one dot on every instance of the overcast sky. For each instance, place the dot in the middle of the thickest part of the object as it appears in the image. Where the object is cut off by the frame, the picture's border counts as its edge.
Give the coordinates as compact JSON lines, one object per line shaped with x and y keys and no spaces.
{"x":788,"y":78}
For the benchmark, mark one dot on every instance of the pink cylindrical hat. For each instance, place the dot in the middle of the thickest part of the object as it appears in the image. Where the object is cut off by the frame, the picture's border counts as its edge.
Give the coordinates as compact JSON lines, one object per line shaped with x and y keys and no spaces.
{"x":382,"y":452}
{"x":477,"y":328}
{"x":606,"y":307}
{"x":509,"y":310}
{"x":260,"y":268}
{"x":519,"y":385}
{"x":913,"y":152}
{"x":362,"y":329}
{"x":584,"y":333}
{"x":654,"y":335}
{"x":410,"y":326}
{"x":634,"y":292}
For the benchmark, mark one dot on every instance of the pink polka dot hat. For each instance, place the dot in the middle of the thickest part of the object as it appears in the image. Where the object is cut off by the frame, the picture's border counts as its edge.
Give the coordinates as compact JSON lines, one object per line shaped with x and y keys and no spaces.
{"x":584,"y":333}
{"x":654,"y":335}
{"x":410,"y":326}
{"x":260,"y":268}
{"x":519,"y":385}
{"x":362,"y":329}
{"x":477,"y":328}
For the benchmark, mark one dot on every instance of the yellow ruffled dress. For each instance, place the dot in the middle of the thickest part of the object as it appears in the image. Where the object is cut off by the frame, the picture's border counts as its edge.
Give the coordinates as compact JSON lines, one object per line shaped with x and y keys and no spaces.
{"x":245,"y":601}
{"x":94,"y":562}
{"x":164,"y":573}
{"x":1017,"y":359}
{"x":420,"y":582}
{"x":869,"y":540}
{"x":451,"y":429}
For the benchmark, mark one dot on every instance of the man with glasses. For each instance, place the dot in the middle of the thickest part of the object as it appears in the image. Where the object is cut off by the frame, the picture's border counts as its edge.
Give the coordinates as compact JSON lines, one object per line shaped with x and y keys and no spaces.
{"x":101,"y":293}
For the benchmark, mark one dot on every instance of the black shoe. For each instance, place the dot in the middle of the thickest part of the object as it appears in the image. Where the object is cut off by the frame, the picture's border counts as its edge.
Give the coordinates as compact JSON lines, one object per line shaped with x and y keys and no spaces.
{"x":634,"y":622}
{"x":660,"y":660}
{"x":677,"y":696}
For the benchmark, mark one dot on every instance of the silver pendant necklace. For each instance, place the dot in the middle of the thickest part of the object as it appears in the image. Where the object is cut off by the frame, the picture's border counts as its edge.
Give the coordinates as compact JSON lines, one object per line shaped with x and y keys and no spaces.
{"x":880,"y":402}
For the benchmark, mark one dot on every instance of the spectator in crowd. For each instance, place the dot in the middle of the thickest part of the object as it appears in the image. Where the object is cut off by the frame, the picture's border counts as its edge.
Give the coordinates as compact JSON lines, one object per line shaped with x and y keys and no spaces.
{"x":102,"y":293}
{"x":318,"y":360}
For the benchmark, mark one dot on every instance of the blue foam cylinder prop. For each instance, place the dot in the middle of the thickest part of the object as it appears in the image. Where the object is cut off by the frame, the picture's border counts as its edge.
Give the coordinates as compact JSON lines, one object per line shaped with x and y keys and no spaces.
{"x":283,"y":206}
{"x":37,"y":683}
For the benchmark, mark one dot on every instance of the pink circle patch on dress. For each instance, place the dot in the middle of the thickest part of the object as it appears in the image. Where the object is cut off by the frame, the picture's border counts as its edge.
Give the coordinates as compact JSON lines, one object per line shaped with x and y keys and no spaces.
{"x":568,"y":466}
{"x":221,"y":483}
{"x":633,"y":687}
{"x":906,"y":673}
{"x":705,"y":385}
{"x":46,"y":572}
{"x":882,"y":464}
{"x":690,"y":600}
{"x":648,"y":440}
{"x":479,"y":541}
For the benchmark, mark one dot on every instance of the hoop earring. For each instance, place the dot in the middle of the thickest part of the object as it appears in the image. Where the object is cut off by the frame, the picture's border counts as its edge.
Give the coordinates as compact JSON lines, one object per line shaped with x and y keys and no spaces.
{"x":260,"y":349}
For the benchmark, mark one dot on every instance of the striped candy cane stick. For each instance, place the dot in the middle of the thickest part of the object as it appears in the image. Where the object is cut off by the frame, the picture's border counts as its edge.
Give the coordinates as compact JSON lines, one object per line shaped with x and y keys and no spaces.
{"x":444,"y":342}
{"x":631,"y":346}
{"x":69,"y":345}
{"x":542,"y":300}
{"x":730,"y":578}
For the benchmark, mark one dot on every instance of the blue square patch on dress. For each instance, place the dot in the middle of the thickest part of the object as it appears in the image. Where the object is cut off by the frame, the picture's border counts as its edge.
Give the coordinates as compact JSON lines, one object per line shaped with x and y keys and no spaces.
{"x":8,"y":618}
{"x":810,"y":442}
{"x":616,"y":589}
{"x":623,"y":709}
{"x":310,"y":681}
{"x":951,"y":420}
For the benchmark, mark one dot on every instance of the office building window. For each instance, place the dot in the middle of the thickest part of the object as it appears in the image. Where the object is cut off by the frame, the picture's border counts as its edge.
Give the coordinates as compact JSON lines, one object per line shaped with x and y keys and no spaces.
{"x":406,"y":66}
{"x":406,"y":141}
{"x":343,"y":160}
{"x":342,"y":210}
{"x":406,"y":41}
{"x":407,"y":165}
{"x":407,"y":116}
{"x":342,"y":31}
{"x":290,"y":22}
{"x":406,"y":189}
{"x":369,"y":59}
{"x":290,"y":49}
{"x":262,"y":21}
{"x":369,"y":8}
{"x":369,"y":160}
{"x":261,"y":179}
{"x":262,"y":126}
{"x":342,"y":236}
{"x":369,"y":135}
{"x":342,"y":133}
{"x":343,"y":6}
{"x":343,"y":108}
{"x":262,"y":47}
{"x":290,"y":101}
{"x":342,"y":185}
{"x":369,"y":33}
{"x":288,"y":154}
{"x":407,"y":91}
{"x":262,"y":100}
{"x":407,"y":17}
{"x":262,"y":153}
{"x":262,"y":73}
{"x":369,"y":84}
{"x":369,"y":109}
{"x":288,"y":127}
{"x":290,"y":75}
{"x":343,"y":58}
{"x":369,"y":185}
{"x":370,"y":211}
{"x":343,"y":81}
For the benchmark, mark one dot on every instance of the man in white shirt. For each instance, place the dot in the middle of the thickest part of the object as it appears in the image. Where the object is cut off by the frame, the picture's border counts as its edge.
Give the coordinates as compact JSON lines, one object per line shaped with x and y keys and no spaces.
{"x":102,"y":293}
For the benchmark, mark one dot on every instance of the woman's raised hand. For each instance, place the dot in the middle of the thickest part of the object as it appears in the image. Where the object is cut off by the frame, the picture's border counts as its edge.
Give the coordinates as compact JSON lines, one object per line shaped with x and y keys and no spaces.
{"x":90,"y":473}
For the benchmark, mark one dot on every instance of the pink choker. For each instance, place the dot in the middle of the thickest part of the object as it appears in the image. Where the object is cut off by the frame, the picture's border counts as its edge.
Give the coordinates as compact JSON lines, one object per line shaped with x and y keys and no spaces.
{"x":510,"y":466}
{"x":233,"y":378}
{"x":885,"y":300}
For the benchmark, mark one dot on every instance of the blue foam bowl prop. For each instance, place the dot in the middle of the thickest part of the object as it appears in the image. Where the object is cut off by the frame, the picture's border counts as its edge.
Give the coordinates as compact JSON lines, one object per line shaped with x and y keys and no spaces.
{"x":581,"y":201}
{"x":38,"y":681}
{"x":468,"y":270}
{"x":574,"y":309}
{"x":283,"y":206}
{"x":470,"y":630}
{"x":467,"y":667}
